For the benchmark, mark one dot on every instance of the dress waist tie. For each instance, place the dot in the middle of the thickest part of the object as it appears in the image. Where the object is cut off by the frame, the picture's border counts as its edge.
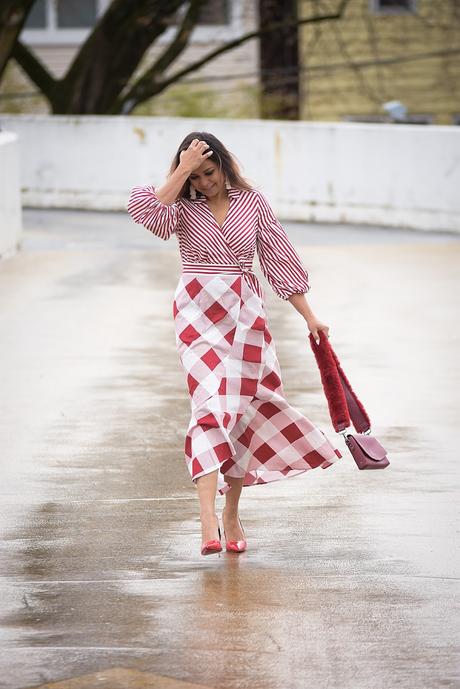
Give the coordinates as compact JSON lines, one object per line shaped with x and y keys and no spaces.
{"x":239,"y":268}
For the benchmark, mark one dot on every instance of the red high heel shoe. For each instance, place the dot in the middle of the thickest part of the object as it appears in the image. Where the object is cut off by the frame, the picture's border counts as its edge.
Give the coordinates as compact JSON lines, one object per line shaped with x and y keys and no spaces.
{"x":236,"y":546}
{"x":213,"y":546}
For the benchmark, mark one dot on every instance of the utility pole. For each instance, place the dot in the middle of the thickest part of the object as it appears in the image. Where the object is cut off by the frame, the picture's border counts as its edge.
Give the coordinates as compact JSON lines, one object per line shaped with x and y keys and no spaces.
{"x":279,"y":60}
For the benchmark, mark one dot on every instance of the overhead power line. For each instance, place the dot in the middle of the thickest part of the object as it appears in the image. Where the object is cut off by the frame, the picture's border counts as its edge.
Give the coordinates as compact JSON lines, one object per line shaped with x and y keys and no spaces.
{"x":284,"y":74}
{"x":334,"y":67}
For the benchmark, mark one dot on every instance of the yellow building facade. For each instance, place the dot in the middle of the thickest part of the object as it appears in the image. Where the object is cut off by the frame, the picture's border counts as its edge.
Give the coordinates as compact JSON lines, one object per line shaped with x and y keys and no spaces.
{"x":381,"y":51}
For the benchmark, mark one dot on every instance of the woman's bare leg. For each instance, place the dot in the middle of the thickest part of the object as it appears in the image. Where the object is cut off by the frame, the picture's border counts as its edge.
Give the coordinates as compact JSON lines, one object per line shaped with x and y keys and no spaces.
{"x":230,"y":512}
{"x":207,"y":489}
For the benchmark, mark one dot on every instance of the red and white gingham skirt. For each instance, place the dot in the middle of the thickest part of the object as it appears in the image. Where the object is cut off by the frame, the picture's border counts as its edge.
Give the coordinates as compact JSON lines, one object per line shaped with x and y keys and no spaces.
{"x":241,"y":423}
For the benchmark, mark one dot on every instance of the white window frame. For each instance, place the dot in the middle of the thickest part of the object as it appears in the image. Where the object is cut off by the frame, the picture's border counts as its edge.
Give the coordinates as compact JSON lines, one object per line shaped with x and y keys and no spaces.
{"x":203,"y":33}
{"x":376,"y":8}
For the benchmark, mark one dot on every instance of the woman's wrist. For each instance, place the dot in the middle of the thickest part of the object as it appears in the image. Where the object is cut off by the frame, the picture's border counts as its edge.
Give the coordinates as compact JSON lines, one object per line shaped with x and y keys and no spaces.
{"x":183,"y":170}
{"x":299,"y":301}
{"x":168,"y":191}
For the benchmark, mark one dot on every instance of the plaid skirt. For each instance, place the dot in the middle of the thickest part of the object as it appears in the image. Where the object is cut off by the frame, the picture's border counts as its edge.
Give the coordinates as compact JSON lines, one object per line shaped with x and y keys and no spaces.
{"x":241,"y":423}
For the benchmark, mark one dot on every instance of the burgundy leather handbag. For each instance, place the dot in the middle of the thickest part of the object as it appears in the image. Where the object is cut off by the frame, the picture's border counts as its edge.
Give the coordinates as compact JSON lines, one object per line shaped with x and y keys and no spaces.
{"x":344,"y":405}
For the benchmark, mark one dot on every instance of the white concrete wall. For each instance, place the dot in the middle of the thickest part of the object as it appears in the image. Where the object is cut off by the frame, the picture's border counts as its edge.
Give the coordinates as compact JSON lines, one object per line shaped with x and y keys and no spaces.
{"x":394,"y":175}
{"x":10,"y":197}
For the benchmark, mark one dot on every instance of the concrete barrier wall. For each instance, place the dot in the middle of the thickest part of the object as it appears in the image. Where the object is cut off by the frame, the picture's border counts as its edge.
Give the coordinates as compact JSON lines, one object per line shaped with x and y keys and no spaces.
{"x":10,"y":198}
{"x":394,"y":175}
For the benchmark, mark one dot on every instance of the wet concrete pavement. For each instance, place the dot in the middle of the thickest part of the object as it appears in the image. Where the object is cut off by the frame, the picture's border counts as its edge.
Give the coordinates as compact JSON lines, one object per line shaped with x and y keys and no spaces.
{"x":351,"y":579}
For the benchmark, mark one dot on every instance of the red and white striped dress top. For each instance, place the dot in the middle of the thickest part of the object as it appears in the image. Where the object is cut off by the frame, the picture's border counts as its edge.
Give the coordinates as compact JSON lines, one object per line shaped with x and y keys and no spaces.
{"x":250,"y":225}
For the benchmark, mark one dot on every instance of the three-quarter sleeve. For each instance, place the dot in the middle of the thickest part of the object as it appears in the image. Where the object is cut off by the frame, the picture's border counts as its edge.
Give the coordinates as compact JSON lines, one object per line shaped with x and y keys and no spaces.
{"x":279,"y":261}
{"x":146,"y":209}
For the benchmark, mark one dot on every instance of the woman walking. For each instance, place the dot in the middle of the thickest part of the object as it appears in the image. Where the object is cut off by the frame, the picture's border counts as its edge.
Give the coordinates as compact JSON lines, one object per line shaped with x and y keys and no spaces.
{"x":242,"y":430}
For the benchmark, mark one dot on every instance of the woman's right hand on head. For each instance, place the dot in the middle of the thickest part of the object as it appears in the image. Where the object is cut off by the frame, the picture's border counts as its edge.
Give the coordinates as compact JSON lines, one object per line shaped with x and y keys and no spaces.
{"x":195,"y":155}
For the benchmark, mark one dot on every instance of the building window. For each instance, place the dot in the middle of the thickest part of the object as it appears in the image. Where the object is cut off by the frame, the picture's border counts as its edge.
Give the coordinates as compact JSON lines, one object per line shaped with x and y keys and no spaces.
{"x":213,"y":13}
{"x":76,"y":14}
{"x":64,"y":14}
{"x":61,"y":21}
{"x":37,"y":16}
{"x":53,"y":22}
{"x":393,"y":6}
{"x":456,"y":119}
{"x":218,"y":21}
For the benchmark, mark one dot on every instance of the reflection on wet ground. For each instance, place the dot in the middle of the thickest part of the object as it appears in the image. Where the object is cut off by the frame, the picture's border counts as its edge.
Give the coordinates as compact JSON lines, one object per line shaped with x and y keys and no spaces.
{"x":350,"y":579}
{"x":119,"y":678}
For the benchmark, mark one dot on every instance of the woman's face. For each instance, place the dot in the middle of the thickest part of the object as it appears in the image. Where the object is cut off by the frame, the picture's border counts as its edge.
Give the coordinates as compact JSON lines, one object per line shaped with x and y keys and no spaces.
{"x":208,"y":179}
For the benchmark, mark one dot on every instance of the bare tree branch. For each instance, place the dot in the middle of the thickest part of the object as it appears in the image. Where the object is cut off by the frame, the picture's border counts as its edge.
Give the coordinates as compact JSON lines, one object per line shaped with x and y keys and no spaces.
{"x":141,"y":92}
{"x":13,"y":14}
{"x":174,"y":49}
{"x":181,"y":39}
{"x":35,"y":70}
{"x":97,"y":80}
{"x":361,"y":79}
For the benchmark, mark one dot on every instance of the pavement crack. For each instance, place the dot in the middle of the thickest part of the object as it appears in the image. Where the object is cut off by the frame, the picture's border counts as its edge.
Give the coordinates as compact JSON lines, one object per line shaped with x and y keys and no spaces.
{"x":275,"y":643}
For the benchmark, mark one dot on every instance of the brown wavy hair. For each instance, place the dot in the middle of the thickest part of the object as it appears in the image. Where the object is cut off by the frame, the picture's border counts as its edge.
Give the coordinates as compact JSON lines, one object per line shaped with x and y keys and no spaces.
{"x":225,"y":160}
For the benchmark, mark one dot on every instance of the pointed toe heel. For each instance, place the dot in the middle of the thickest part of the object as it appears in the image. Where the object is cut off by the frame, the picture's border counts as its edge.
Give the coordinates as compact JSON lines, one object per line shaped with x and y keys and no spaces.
{"x":213,"y":546}
{"x":236,"y":546}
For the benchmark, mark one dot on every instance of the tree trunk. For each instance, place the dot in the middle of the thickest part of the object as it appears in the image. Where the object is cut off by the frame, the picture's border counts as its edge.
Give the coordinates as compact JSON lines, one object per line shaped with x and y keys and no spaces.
{"x":13,"y":14}
{"x":279,"y":60}
{"x":99,"y":73}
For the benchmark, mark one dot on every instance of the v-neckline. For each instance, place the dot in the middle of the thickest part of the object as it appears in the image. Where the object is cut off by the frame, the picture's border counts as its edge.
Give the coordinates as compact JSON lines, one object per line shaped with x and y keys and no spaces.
{"x":233,"y":194}
{"x":226,"y":214}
